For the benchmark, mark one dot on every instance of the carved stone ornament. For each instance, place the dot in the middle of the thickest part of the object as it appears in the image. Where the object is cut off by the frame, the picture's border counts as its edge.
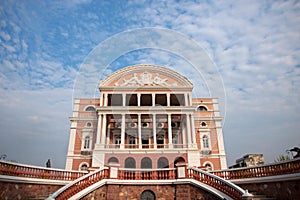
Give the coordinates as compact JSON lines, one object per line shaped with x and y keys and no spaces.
{"x":144,"y":79}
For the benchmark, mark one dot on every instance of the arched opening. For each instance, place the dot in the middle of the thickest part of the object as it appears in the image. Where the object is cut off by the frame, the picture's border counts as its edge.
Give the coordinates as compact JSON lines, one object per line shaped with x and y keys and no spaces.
{"x":84,"y":167}
{"x":179,"y":160}
{"x":147,"y":195}
{"x":146,"y":163}
{"x":113,"y":160}
{"x":162,"y":163}
{"x":208,"y":166}
{"x":130,"y":163}
{"x":90,"y":108}
{"x":201,"y":108}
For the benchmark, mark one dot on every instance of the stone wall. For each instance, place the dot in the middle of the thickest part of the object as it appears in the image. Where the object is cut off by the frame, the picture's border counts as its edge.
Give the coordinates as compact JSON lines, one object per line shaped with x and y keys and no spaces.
{"x":288,"y":190}
{"x":161,"y":192}
{"x":26,"y":190}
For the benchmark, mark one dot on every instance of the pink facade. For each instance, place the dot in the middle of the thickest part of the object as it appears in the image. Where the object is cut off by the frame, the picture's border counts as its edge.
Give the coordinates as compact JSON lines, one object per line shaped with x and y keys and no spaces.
{"x":146,"y":117}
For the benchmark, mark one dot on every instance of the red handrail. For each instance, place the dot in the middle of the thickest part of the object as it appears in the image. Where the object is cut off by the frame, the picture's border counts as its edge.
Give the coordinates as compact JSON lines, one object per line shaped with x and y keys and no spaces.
{"x":274,"y":169}
{"x":216,"y":182}
{"x":80,"y":184}
{"x":29,"y":171}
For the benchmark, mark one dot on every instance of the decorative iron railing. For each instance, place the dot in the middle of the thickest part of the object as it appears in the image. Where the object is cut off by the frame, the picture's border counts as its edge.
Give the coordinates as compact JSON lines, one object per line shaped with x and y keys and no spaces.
{"x":29,"y":171}
{"x":274,"y":169}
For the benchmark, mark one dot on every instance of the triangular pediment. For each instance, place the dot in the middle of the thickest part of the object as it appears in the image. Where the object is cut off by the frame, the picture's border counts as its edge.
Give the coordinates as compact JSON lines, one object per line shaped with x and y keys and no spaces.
{"x":146,"y":76}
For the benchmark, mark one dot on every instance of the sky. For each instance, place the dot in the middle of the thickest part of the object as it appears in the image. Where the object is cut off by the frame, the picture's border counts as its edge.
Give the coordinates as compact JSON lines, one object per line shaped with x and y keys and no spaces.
{"x":45,"y":45}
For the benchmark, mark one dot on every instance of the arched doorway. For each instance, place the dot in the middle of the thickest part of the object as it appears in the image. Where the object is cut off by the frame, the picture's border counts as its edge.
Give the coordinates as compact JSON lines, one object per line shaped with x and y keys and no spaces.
{"x":130,"y":163}
{"x":147,"y":195}
{"x":146,"y":163}
{"x":162,"y":163}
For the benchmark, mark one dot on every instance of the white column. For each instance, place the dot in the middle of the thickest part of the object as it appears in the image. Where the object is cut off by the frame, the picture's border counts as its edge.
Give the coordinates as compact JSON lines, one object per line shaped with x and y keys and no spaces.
{"x":123,"y":99}
{"x":69,"y":161}
{"x":193,"y":131}
{"x":140,"y":130}
{"x":139,"y":99}
{"x":105,"y":99}
{"x":153,"y":99}
{"x":103,"y":130}
{"x":190,"y":98}
{"x":101,"y":99}
{"x":123,"y":131}
{"x":183,"y":132}
{"x":188,"y":129}
{"x":186,"y":102}
{"x":154,"y":130}
{"x":168,"y":99}
{"x":169,"y":130}
{"x":99,"y":129}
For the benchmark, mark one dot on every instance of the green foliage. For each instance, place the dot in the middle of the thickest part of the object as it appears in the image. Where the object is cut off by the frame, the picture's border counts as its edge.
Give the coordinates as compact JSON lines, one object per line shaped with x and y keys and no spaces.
{"x":282,"y":158}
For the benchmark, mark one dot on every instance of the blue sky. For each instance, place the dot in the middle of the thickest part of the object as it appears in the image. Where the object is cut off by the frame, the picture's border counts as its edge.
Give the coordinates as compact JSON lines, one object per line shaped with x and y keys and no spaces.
{"x":255,"y":46}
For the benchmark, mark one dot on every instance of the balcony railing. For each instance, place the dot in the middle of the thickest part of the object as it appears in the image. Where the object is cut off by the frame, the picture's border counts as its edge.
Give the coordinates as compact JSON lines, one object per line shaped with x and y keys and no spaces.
{"x":28,"y":171}
{"x":274,"y":169}
{"x":146,"y":146}
{"x":147,"y":174}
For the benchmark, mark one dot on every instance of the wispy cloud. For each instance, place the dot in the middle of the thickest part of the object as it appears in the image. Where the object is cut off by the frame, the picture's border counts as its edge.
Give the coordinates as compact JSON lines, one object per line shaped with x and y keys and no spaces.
{"x":254,"y":44}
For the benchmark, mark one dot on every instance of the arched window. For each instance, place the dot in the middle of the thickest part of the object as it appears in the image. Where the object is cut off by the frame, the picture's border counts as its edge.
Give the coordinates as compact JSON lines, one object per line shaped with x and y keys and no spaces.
{"x":146,"y":163}
{"x":162,"y":163}
{"x":201,"y":108}
{"x":113,"y":160}
{"x":86,"y":142}
{"x":179,"y":160}
{"x":84,"y":167}
{"x":147,"y":195}
{"x":130,"y":163}
{"x":90,"y":108}
{"x":203,"y":124}
{"x":208,"y":166}
{"x":205,"y":142}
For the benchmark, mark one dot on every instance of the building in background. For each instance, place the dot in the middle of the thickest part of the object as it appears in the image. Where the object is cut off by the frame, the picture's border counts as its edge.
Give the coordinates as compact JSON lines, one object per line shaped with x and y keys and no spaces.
{"x":249,"y":160}
{"x":146,"y":117}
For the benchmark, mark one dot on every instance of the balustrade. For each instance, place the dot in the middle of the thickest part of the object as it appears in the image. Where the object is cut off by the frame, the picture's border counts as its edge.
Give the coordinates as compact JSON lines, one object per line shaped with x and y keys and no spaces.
{"x":145,"y":146}
{"x":216,"y":182}
{"x":80,"y":184}
{"x":275,"y":169}
{"x":28,"y":171}
{"x":147,"y":174}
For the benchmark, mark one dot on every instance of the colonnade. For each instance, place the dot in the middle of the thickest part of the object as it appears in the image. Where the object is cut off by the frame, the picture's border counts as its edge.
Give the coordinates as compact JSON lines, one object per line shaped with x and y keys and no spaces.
{"x":186,"y":131}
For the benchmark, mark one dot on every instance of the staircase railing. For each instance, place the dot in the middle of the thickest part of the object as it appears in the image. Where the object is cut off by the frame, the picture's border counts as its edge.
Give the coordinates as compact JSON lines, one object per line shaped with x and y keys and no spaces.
{"x":275,"y":169}
{"x":20,"y":170}
{"x":216,"y":182}
{"x":80,"y":184}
